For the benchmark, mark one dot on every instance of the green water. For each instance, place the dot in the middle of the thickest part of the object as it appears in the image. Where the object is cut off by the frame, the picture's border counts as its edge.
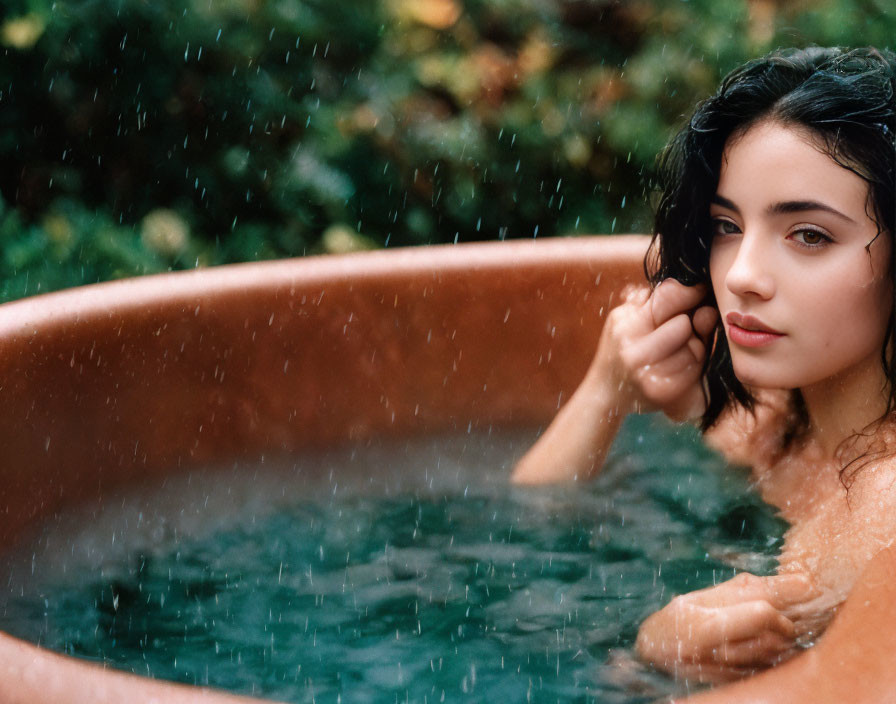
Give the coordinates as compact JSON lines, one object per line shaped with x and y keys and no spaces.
{"x":391,"y":574}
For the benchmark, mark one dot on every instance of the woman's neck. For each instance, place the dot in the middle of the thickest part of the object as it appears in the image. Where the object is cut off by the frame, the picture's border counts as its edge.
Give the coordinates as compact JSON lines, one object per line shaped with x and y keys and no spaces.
{"x":844,"y":406}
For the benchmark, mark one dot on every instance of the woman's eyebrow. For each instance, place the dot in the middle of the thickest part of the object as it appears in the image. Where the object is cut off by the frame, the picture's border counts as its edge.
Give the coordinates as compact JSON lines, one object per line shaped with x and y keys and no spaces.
{"x":786,"y":206}
{"x":725,"y":203}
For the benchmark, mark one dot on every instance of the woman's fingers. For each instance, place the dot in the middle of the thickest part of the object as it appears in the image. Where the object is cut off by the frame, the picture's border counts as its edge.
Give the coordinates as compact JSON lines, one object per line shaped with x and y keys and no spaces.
{"x":733,"y":627}
{"x":635,"y":294}
{"x":672,"y":297}
{"x":665,"y":366}
{"x":788,"y":590}
{"x":710,"y":672}
{"x":746,"y":620}
{"x":704,"y":321}
{"x":668,"y":379}
{"x":659,"y":350}
{"x":670,"y":306}
{"x":661,"y":343}
{"x":671,"y":300}
{"x":763,"y":650}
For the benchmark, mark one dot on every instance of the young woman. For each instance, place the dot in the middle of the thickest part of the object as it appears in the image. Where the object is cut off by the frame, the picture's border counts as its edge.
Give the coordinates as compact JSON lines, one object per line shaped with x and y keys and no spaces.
{"x":770,"y":318}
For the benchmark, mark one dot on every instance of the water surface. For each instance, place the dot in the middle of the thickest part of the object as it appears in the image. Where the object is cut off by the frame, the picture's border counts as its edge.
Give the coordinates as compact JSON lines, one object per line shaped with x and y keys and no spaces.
{"x":403,"y":572}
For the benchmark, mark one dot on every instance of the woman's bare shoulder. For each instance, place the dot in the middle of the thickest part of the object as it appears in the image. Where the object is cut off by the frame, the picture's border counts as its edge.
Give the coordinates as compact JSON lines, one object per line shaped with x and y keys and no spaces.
{"x":868,"y":525}
{"x":871,"y":476}
{"x":750,"y":437}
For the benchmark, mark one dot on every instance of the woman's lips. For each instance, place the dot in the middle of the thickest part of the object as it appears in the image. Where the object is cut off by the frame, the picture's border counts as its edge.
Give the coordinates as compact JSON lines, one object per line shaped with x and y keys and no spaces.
{"x":747,"y":331}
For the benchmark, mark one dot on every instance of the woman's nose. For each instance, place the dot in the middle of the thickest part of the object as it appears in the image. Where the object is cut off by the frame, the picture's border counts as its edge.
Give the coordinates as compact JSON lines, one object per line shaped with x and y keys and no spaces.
{"x":751,"y":271}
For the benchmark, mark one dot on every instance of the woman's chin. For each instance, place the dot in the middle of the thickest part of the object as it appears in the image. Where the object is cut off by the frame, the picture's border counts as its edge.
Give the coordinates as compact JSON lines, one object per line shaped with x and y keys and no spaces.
{"x":757,"y":379}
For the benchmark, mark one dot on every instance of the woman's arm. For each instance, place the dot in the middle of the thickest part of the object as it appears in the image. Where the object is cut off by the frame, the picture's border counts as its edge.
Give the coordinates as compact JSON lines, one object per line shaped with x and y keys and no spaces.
{"x":730,"y":630}
{"x":852,"y":662}
{"x":577,"y":441}
{"x":649,"y":357}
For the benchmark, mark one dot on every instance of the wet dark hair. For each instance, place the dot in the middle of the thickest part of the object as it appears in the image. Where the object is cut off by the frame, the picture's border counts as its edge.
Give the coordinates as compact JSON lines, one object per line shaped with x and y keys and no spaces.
{"x":845,"y":99}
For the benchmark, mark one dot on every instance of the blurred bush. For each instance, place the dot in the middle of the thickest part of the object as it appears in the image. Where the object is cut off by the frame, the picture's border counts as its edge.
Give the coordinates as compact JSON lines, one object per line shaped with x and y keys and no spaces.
{"x":140,"y":136}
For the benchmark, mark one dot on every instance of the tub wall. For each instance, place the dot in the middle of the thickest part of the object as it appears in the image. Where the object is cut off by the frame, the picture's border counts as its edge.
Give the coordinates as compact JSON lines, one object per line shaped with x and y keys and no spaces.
{"x":117,"y":383}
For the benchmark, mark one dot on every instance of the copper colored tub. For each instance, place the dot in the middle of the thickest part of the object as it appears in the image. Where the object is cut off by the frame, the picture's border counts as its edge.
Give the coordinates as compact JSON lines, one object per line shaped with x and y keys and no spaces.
{"x":114,"y":384}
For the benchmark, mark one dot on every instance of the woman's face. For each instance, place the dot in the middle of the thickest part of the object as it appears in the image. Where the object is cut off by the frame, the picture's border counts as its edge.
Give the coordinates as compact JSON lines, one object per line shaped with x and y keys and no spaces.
{"x":802,"y":297}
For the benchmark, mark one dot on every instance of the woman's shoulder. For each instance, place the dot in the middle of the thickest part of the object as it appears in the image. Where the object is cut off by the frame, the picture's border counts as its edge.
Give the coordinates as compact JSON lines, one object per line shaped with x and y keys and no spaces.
{"x":753,"y":437}
{"x":867,"y":525}
{"x":870,"y":474}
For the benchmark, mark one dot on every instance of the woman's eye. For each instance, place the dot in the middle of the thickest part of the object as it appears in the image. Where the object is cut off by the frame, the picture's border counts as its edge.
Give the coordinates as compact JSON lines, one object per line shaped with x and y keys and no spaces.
{"x":811,"y":238}
{"x":724,"y":227}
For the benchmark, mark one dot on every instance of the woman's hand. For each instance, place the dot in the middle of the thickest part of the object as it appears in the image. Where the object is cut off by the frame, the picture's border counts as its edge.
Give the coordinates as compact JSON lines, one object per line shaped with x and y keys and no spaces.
{"x":652,"y":349}
{"x":649,"y":357}
{"x":728,"y":631}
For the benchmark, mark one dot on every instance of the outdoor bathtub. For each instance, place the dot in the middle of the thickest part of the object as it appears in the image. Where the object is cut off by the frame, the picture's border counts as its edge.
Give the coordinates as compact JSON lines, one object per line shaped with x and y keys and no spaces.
{"x":131,"y":382}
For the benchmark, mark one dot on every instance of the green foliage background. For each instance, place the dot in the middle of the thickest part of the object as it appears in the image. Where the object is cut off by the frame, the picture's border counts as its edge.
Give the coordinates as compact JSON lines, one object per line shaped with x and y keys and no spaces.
{"x":140,"y":136}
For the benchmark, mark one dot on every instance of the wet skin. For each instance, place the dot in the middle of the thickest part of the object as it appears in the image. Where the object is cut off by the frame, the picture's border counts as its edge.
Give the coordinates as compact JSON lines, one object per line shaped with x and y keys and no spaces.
{"x":791,"y":255}
{"x":803,"y":287}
